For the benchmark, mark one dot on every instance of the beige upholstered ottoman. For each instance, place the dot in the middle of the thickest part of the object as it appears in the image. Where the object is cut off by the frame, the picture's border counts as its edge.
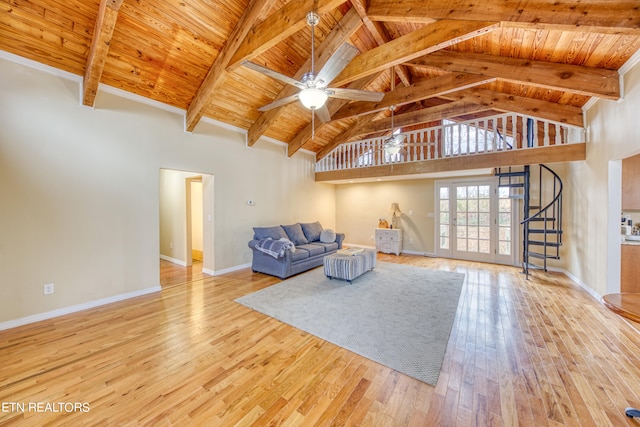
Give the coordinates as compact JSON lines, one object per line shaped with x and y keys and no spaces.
{"x":349,"y":267}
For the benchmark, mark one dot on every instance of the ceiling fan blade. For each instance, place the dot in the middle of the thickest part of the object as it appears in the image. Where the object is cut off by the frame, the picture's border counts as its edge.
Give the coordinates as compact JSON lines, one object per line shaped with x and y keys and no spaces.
{"x":356,"y":95}
{"x":273,"y":74}
{"x":279,"y":103}
{"x":323,"y":114}
{"x":336,"y":64}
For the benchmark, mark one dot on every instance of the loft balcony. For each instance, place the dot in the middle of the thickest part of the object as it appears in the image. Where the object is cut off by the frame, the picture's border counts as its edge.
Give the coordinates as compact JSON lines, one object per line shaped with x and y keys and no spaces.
{"x":462,"y":147}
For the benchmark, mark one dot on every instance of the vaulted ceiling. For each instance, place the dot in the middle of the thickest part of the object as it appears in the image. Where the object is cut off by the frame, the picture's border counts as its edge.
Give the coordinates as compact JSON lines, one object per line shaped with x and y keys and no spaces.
{"x":434,"y":59}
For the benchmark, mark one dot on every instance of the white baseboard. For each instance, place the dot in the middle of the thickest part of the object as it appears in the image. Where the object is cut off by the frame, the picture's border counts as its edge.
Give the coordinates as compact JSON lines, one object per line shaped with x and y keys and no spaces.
{"x":429,"y":254}
{"x":206,"y":270}
{"x":75,"y":308}
{"x":578,"y":282}
{"x":357,"y":245}
{"x":227,"y":270}
{"x":173,"y":260}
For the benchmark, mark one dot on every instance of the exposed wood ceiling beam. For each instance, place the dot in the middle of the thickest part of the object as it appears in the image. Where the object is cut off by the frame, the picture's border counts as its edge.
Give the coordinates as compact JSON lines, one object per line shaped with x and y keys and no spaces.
{"x":451,"y":86}
{"x":520,"y":104}
{"x":551,"y":154}
{"x":364,"y":125}
{"x":594,"y":13}
{"x":288,"y":20}
{"x":347,"y":26}
{"x":423,"y":89}
{"x":425,"y":115}
{"x":102,"y":33}
{"x":381,"y":36}
{"x":573,"y":78}
{"x":333,"y":105}
{"x":215,"y":75}
{"x":572,"y":28}
{"x":418,"y":43}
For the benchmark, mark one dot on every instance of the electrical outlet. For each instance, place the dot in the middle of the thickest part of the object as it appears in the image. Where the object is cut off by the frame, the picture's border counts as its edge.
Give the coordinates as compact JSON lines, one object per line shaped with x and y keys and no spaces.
{"x":171,"y":245}
{"x":48,"y":288}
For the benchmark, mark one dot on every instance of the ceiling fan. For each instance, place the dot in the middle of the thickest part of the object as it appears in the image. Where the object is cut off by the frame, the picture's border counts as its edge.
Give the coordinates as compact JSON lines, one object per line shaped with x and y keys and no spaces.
{"x":314,"y":90}
{"x":393,"y":144}
{"x":397,"y":142}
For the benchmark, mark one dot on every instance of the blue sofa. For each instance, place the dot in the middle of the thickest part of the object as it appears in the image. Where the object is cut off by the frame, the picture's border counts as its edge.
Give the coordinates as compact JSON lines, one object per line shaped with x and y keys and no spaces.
{"x":311,"y":243}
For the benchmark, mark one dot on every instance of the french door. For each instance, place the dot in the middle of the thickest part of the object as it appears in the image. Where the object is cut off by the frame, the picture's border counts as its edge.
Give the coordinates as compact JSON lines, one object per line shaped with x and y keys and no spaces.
{"x":476,"y":221}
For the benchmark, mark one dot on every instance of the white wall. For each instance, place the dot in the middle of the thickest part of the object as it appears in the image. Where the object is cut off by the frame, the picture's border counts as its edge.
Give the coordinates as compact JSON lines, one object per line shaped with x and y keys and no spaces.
{"x":595,"y":195}
{"x":79,"y":191}
{"x":360,"y":206}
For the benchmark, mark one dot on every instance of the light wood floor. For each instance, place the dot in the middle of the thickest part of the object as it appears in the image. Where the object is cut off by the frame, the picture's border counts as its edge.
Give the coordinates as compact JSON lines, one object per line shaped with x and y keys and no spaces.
{"x":174,"y":275}
{"x":531,"y":353}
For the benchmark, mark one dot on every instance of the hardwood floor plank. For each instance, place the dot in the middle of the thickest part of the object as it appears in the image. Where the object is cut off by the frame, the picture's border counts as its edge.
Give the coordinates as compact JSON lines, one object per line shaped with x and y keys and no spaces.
{"x":347,"y":409}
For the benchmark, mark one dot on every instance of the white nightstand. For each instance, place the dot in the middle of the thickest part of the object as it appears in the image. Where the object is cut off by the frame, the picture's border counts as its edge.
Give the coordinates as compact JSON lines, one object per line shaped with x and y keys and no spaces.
{"x":389,"y":240}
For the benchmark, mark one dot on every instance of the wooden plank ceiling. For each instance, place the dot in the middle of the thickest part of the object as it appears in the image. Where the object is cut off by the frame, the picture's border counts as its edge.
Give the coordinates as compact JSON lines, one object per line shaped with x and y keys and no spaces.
{"x":450,"y":59}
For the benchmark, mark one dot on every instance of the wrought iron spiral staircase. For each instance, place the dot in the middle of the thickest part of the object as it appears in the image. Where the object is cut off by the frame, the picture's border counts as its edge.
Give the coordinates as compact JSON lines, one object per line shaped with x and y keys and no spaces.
{"x":542,"y":223}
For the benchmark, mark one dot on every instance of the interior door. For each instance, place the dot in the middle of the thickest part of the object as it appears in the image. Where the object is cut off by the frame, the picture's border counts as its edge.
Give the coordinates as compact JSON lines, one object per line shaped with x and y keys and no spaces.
{"x":475,"y":221}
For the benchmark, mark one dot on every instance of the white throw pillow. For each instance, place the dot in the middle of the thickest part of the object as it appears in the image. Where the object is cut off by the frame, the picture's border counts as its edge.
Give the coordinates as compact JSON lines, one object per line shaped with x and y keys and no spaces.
{"x":327,"y":236}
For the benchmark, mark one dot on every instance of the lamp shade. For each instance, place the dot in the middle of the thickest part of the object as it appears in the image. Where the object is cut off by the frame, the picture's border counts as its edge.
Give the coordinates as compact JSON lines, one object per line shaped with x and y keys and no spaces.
{"x":312,"y":98}
{"x":395,"y":208}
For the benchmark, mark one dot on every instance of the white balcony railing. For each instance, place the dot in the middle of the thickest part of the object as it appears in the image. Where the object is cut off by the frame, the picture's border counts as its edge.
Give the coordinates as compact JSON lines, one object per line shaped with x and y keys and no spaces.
{"x":452,"y":139}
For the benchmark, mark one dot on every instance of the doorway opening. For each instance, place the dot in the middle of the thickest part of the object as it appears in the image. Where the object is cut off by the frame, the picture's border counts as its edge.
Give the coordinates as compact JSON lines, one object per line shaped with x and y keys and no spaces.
{"x":194,"y":218}
{"x":186,"y":222}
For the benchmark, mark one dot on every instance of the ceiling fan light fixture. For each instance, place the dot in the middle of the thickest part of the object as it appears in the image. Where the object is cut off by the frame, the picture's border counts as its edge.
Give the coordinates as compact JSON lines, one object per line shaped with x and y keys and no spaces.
{"x":392,"y":146}
{"x":392,"y":150}
{"x":312,"y":98}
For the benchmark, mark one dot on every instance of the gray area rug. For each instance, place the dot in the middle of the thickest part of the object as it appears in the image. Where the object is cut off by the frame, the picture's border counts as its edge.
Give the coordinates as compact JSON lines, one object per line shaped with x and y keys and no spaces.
{"x":397,"y":315}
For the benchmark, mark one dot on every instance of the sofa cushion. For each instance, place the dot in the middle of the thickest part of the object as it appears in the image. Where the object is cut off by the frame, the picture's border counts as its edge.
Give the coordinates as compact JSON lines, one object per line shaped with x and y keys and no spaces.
{"x":328,"y":236}
{"x":295,"y":233}
{"x":328,"y":247}
{"x":299,"y":254}
{"x":275,"y":233}
{"x":313,"y":249}
{"x":312,"y":230}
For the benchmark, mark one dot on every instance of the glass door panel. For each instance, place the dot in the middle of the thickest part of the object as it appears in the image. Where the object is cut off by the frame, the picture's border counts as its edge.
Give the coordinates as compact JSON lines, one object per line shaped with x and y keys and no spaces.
{"x":504,"y":252}
{"x":473,"y":235}
{"x":444,"y":220}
